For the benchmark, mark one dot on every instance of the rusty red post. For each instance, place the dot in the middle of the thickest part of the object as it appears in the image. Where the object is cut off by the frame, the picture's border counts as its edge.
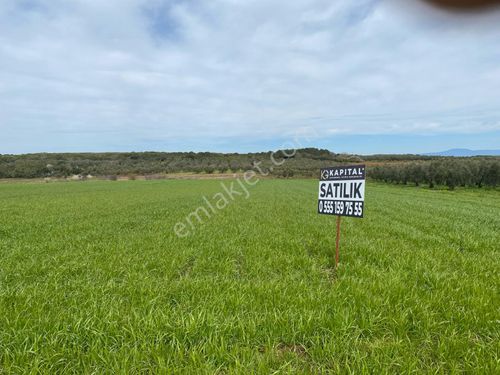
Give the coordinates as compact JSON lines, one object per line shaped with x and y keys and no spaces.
{"x":337,"y":255}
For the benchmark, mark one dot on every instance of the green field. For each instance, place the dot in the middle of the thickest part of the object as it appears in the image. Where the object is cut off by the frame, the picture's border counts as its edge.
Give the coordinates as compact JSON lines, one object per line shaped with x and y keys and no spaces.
{"x":94,"y":280}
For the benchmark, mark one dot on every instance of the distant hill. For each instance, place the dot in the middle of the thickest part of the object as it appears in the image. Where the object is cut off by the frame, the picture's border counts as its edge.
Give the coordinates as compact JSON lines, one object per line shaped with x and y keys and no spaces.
{"x":465,"y":152}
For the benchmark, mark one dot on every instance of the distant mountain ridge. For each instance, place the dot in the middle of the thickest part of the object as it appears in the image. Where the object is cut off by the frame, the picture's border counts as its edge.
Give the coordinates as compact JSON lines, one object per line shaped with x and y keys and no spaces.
{"x":464,"y":152}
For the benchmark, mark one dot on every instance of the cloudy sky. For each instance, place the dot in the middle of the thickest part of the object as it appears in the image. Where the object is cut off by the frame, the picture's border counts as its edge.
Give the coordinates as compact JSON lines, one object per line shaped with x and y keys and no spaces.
{"x":360,"y":76}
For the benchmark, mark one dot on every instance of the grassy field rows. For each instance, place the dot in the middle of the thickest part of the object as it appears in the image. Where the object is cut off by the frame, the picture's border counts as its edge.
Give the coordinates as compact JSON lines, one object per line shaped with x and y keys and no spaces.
{"x":93,"y":279}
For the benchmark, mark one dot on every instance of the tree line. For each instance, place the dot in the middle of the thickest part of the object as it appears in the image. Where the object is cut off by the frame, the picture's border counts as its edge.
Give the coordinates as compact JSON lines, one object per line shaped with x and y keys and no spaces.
{"x":450,"y":172}
{"x":284,"y":163}
{"x":305,"y":162}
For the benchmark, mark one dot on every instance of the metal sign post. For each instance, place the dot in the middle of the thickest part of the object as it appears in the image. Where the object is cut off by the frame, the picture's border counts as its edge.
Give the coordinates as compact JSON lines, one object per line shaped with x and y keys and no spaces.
{"x":342,"y":193}
{"x":337,"y":240}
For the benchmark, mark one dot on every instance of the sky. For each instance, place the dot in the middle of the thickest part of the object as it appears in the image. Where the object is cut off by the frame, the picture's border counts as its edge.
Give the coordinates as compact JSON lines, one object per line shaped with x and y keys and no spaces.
{"x":365,"y":76}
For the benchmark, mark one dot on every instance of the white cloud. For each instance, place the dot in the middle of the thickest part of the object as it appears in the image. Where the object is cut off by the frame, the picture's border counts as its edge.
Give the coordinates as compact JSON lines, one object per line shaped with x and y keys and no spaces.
{"x":119,"y":71}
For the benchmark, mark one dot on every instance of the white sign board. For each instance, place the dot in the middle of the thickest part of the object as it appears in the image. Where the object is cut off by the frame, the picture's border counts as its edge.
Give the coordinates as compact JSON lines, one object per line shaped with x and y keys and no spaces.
{"x":342,"y":191}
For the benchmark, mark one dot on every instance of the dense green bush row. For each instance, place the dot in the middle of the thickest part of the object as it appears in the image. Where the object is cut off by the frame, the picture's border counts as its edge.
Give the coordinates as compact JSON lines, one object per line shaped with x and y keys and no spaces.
{"x":451,"y":172}
{"x":285,"y":163}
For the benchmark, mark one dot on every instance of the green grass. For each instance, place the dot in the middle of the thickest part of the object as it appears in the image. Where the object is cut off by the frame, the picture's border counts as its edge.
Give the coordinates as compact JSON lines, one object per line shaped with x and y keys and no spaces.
{"x":94,"y":280}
